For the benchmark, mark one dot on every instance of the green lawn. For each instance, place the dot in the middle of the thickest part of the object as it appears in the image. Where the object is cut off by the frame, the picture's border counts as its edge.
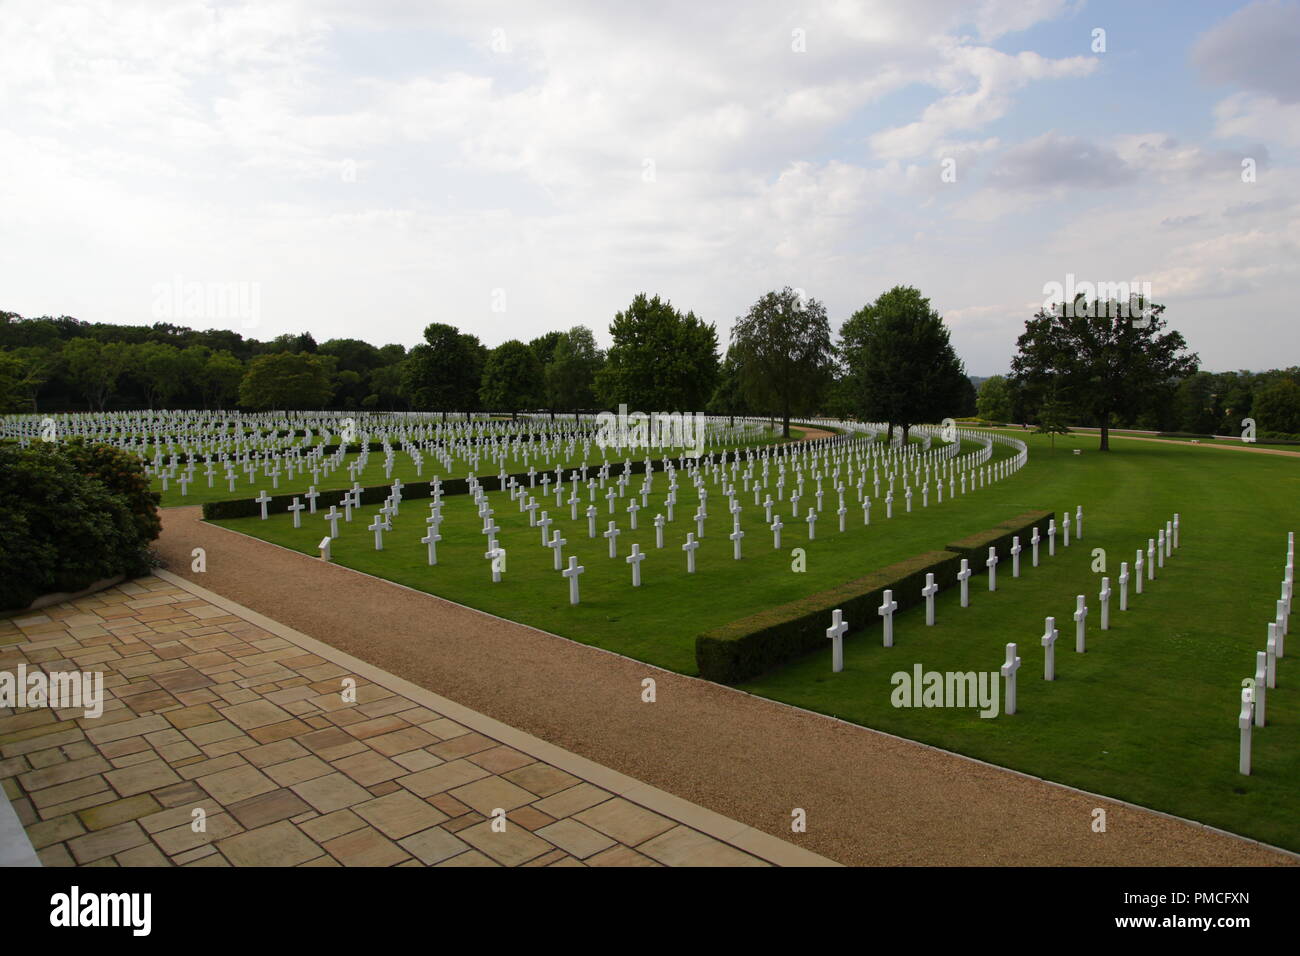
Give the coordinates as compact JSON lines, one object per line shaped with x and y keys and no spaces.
{"x":1147,"y":715}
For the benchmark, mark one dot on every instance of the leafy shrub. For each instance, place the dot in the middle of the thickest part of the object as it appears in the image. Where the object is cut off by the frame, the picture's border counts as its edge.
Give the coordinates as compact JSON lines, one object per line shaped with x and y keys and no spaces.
{"x":743,"y":649}
{"x":739,"y":650}
{"x":65,"y":529}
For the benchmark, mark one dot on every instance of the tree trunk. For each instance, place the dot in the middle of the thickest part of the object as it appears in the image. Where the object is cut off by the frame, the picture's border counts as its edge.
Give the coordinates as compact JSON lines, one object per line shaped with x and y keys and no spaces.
{"x":1105,"y":431}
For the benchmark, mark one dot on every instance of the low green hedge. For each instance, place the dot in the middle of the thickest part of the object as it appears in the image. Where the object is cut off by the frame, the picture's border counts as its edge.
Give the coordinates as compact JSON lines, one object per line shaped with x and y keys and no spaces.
{"x":74,"y":515}
{"x":975,"y":547}
{"x":740,"y":650}
{"x":743,"y":649}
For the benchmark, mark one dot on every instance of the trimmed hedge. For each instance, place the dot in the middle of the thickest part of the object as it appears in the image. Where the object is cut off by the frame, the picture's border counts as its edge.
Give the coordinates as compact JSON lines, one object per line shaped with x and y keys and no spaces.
{"x":739,"y":650}
{"x":745,"y":648}
{"x":975,"y":547}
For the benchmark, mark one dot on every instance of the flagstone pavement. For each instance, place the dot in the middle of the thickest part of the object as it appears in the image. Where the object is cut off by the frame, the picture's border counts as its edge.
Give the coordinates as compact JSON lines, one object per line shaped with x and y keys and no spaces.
{"x":210,"y":707}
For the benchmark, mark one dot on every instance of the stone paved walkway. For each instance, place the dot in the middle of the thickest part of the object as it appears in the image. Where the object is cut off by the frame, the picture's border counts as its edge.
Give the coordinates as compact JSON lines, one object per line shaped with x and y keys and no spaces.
{"x":245,"y":720}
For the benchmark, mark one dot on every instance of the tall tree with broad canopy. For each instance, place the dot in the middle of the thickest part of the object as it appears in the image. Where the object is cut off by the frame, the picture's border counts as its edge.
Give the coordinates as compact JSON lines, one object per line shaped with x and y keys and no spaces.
{"x":443,"y":373}
{"x":994,"y":402}
{"x":783,"y":354}
{"x":1101,"y":360}
{"x":729,"y":395}
{"x":661,"y":360}
{"x":570,"y":377}
{"x":512,"y":378}
{"x":901,"y":362}
{"x":287,"y":380}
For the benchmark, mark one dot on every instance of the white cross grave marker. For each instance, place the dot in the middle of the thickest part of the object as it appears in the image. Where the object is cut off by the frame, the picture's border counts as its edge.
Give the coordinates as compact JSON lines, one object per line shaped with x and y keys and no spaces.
{"x":886,"y":610}
{"x":635,"y":559}
{"x":1080,"y":624}
{"x":1050,"y":634}
{"x":836,"y":633}
{"x":928,"y":592}
{"x":556,"y":544}
{"x":689,"y":547}
{"x":574,"y":569}
{"x":964,"y":577}
{"x":1009,"y":672}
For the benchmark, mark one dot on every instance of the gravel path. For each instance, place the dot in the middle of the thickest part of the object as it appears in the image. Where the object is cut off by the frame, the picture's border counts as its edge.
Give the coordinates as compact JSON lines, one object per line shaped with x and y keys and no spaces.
{"x":869,"y":798}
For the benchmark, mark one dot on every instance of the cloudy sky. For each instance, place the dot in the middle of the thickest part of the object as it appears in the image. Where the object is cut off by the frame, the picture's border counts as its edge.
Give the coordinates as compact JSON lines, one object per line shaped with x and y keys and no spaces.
{"x":365,"y":168}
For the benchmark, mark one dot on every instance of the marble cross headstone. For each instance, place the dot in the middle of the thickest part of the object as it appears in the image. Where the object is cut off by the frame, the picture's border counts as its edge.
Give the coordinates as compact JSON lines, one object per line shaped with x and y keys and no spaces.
{"x":964,"y":577}
{"x":1123,"y":586}
{"x":886,"y":610}
{"x":296,"y":507}
{"x":992,"y":565}
{"x":263,"y":499}
{"x":1104,"y":597}
{"x":1244,"y":721}
{"x":1080,"y":624}
{"x":574,"y":569}
{"x":836,"y":633}
{"x":556,"y":544}
{"x":928,"y":592}
{"x":1015,"y":556}
{"x":690,"y":548}
{"x":431,"y":539}
{"x":1009,"y":669}
{"x":1261,"y":674}
{"x":635,"y":559}
{"x":1050,"y":634}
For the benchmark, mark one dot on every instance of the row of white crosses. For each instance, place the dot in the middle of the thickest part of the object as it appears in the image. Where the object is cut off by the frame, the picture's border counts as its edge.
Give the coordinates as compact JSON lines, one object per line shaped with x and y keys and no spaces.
{"x":1255,"y":690}
{"x":1168,"y":541}
{"x":821,"y":459}
{"x":889,"y":606}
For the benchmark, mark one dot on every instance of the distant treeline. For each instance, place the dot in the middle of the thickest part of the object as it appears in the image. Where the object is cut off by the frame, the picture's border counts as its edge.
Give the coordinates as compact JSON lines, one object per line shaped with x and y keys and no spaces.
{"x":1203,"y":403}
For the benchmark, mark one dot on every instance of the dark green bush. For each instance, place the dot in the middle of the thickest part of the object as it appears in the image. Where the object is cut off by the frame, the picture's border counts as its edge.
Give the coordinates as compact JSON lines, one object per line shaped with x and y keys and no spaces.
{"x":62,"y":529}
{"x":739,"y":650}
{"x":975,"y":547}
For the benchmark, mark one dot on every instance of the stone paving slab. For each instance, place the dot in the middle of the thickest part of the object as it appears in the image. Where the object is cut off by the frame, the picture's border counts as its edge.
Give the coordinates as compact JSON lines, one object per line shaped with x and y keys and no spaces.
{"x":228,"y":739}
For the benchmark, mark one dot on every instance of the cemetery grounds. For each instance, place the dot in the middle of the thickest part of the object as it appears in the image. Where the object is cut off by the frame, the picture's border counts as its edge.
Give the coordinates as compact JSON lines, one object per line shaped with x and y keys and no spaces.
{"x":1147,"y":715}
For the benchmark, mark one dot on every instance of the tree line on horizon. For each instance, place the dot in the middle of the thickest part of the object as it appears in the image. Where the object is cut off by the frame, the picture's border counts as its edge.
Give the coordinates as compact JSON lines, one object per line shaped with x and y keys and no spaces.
{"x":892,"y":361}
